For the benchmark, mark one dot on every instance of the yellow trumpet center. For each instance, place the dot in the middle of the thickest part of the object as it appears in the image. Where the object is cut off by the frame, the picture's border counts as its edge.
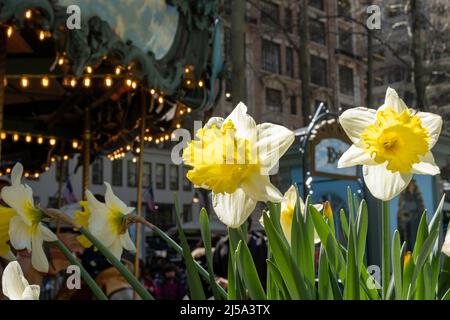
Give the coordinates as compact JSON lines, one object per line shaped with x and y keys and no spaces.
{"x":220,"y":160}
{"x":396,"y":138}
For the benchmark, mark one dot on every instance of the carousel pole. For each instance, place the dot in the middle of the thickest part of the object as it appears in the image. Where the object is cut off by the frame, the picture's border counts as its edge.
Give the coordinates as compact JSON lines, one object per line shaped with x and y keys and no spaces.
{"x":2,"y":77}
{"x":86,"y":150}
{"x":140,"y":180}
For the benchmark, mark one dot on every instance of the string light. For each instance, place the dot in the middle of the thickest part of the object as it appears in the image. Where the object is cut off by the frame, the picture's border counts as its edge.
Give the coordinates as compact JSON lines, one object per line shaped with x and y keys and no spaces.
{"x":66,"y":157}
{"x":9,"y":32}
{"x":128,"y":148}
{"x":27,"y":174}
{"x":134,"y":84}
{"x":45,"y":82}
{"x":152,"y":91}
{"x":46,"y":168}
{"x":87,"y":82}
{"x":15,"y":137}
{"x":189,"y":110}
{"x":42,"y":35}
{"x":227,"y":95}
{"x":75,"y":144}
{"x":53,"y":159}
{"x":89,"y":69}
{"x":24,"y":82}
{"x":3,"y":135}
{"x":150,"y":139}
{"x":201,"y":84}
{"x":167,"y":137}
{"x":187,"y":70}
{"x":108,"y":81}
{"x":61,"y":61}
{"x":178,"y":126}
{"x":73,"y":82}
{"x":157,"y":141}
{"x":118,"y":70}
{"x":28,"y":14}
{"x":181,"y":112}
{"x":28,"y":139}
{"x":40,"y":140}
{"x":129,"y":82}
{"x":188,"y":82}
{"x":8,"y":170}
{"x":134,"y":160}
{"x":161,"y":100}
{"x":52,"y":141}
{"x":36,"y":175}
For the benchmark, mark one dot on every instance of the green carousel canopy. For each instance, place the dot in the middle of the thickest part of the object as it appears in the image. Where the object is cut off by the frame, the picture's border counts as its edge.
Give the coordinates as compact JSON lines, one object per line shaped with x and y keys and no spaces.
{"x":67,"y":88}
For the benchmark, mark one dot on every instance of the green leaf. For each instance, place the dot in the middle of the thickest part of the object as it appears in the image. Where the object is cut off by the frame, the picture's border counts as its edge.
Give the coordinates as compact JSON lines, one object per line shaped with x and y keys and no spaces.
{"x":278,"y":279}
{"x":361,"y":231}
{"x":344,"y":223}
{"x":436,"y":221}
{"x":232,"y":291}
{"x":351,"y":212}
{"x":235,"y":236}
{"x":408,"y":270}
{"x":206,"y":237}
{"x":396,"y":266}
{"x":351,"y":289}
{"x":248,"y":272}
{"x":385,"y":252}
{"x":446,"y":296}
{"x":421,"y":259}
{"x":444,"y":279}
{"x":325,"y":291}
{"x":422,"y":234}
{"x":284,"y":261}
{"x":193,"y":278}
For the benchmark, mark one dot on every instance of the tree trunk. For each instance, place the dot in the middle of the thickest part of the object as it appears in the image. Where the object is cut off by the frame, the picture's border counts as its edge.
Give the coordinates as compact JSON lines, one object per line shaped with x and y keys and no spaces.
{"x":238,"y":85}
{"x":304,"y":59}
{"x":417,"y":53}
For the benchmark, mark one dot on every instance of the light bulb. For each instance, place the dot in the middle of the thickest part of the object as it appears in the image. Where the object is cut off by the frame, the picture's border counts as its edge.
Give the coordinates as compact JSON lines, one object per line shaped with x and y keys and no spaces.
{"x":89,"y":69}
{"x":45,"y":82}
{"x":52,"y":141}
{"x":87,"y":82}
{"x":40,"y":140}
{"x":28,"y":139}
{"x":24,"y":82}
{"x":108,"y":81}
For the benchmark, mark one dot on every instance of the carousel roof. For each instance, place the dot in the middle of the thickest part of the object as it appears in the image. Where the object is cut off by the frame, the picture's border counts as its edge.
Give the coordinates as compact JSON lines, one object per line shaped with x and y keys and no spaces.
{"x":164,"y":55}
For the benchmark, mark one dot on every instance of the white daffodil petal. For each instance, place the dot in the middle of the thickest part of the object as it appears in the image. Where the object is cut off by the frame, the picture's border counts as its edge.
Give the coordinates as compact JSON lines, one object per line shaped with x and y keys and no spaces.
{"x":355,"y":121}
{"x":31,"y":292}
{"x":355,"y":156}
{"x":383,"y":183}
{"x":19,"y":234}
{"x":446,"y":245}
{"x":114,"y":203}
{"x":427,"y":165}
{"x":13,"y":281}
{"x":126,"y":242}
{"x":259,"y":188}
{"x":433,"y":123}
{"x":93,"y":203}
{"x":394,"y":101}
{"x":9,"y":256}
{"x":214,"y":121}
{"x":290,"y":198}
{"x":116,"y":248}
{"x":272,"y":142}
{"x":233,"y":209}
{"x":38,"y":258}
{"x":47,"y":234}
{"x":16,"y":174}
{"x":244,"y":124}
{"x":18,"y":197}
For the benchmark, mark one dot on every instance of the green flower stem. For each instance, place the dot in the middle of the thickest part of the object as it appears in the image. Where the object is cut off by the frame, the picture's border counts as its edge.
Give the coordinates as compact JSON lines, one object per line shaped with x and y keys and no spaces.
{"x":120,"y":267}
{"x":386,"y":264}
{"x":84,"y":274}
{"x":179,"y":250}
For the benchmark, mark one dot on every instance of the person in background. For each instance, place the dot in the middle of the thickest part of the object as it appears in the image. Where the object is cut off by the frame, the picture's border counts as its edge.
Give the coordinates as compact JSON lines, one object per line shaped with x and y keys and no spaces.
{"x":169,"y":287}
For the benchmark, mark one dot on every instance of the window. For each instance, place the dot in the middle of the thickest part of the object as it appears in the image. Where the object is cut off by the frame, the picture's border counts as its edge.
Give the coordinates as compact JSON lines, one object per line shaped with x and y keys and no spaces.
{"x":65,"y":171}
{"x":293,"y":103}
{"x":288,"y":22}
{"x":131,"y":174}
{"x":117,"y":173}
{"x":147,"y":175}
{"x":317,"y":31}
{"x":290,"y":62}
{"x":270,"y":13}
{"x":187,"y":213}
{"x":318,"y":4}
{"x":174,"y":177}
{"x":160,"y":176}
{"x":97,"y":171}
{"x":344,"y":8}
{"x":319,"y":76}
{"x":273,"y":100}
{"x":271,"y":56}
{"x":395,"y":75}
{"x":346,"y":80}
{"x":345,"y":41}
{"x":186,"y":183}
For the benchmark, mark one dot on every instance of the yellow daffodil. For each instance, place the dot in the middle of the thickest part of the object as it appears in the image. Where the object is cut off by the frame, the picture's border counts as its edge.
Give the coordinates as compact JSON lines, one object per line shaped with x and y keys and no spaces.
{"x":15,"y":286}
{"x":5,"y":217}
{"x":106,"y":222}
{"x":26,"y":231}
{"x":233,"y":158}
{"x":82,"y":218}
{"x":446,"y":245}
{"x":392,"y":143}
{"x":287,"y":213}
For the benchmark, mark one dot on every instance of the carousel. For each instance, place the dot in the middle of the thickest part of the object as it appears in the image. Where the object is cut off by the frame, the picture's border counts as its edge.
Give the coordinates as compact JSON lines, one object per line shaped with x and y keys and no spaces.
{"x":87,"y":78}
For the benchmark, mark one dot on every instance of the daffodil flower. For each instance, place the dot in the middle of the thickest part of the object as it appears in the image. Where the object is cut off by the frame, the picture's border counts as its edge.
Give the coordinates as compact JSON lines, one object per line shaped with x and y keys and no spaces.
{"x":15,"y":286}
{"x":106,"y":222}
{"x":82,"y":218}
{"x":287,"y":213}
{"x":5,"y":217}
{"x":446,"y":245}
{"x":233,"y":158}
{"x":26,"y":231}
{"x":392,"y":143}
